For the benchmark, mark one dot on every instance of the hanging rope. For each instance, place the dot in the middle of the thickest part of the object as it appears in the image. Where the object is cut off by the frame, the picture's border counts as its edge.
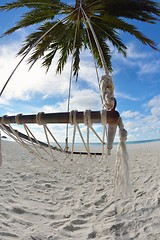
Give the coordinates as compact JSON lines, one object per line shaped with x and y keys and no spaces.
{"x":70,"y":83}
{"x":122,"y":172}
{"x":107,"y":88}
{"x":93,"y":58}
{"x":97,"y":43}
{"x":122,"y":183}
{"x":0,"y":149}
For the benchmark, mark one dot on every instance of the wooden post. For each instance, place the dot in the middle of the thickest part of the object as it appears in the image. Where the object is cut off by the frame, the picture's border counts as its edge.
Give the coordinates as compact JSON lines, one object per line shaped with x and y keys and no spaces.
{"x":60,"y":118}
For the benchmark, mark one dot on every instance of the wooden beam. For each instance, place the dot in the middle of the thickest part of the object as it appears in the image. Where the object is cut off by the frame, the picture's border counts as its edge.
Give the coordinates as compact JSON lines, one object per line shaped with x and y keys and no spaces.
{"x":59,"y":118}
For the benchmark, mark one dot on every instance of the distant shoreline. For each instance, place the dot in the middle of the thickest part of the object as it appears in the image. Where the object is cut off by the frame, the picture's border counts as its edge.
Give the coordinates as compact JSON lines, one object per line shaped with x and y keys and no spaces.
{"x":98,"y":143}
{"x":141,"y":141}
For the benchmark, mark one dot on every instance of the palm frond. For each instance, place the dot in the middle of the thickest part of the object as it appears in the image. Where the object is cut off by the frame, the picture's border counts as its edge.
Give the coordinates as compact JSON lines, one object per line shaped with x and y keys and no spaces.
{"x":73,"y":33}
{"x":143,"y":10}
{"x":47,"y":59}
{"x":33,"y":4}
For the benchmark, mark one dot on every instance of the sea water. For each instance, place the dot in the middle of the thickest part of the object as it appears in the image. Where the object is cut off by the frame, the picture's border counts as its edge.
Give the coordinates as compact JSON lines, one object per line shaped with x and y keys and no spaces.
{"x":97,"y":147}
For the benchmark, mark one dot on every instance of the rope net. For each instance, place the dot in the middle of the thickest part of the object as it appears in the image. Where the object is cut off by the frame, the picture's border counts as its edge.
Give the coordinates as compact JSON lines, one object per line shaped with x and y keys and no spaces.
{"x":49,"y":149}
{"x":83,"y":130}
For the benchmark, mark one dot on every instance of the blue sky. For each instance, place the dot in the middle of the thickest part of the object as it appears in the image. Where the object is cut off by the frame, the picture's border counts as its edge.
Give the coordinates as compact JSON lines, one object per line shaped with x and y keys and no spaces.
{"x":136,"y":80}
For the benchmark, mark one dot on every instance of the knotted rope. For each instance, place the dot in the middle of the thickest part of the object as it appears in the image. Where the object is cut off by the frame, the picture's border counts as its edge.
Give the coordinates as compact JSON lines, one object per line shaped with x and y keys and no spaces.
{"x":122,"y":184}
{"x":0,"y":150}
{"x":109,"y":102}
{"x":107,"y":89}
{"x":73,"y":121}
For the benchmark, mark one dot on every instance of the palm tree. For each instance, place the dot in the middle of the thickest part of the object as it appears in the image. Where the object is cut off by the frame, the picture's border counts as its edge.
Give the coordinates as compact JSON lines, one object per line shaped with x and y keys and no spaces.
{"x":87,"y":24}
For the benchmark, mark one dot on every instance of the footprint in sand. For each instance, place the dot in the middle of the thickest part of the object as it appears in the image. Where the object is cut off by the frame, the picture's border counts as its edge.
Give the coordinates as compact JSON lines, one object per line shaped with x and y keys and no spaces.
{"x":7,"y":234}
{"x":71,"y":228}
{"x":100,"y":201}
{"x":78,"y":222}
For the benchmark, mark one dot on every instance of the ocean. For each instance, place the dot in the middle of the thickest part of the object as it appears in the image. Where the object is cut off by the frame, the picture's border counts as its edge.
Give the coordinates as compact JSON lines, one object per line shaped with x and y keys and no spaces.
{"x":97,"y":147}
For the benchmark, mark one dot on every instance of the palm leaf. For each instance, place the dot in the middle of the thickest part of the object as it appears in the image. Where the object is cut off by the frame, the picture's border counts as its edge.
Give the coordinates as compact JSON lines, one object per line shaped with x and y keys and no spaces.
{"x":73,"y":34}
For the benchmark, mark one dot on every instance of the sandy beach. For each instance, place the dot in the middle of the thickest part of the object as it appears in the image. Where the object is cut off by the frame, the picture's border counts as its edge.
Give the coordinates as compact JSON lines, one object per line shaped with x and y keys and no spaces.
{"x":49,"y":202}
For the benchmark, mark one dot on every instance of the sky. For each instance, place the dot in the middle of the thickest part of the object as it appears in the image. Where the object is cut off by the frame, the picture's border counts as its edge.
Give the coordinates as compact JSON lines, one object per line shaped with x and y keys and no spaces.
{"x":136,"y":81}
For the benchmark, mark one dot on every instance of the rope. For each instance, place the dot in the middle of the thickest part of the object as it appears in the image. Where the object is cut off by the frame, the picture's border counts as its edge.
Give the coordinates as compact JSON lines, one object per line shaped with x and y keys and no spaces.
{"x":122,"y":182}
{"x":107,"y":88}
{"x":15,"y":136}
{"x":88,"y":123}
{"x":93,"y":59}
{"x":107,"y":97}
{"x":104,"y":123}
{"x":0,"y":149}
{"x":17,"y":118}
{"x":31,"y":139}
{"x":73,"y":121}
{"x":70,"y":84}
{"x":97,"y":42}
{"x":39,"y":118}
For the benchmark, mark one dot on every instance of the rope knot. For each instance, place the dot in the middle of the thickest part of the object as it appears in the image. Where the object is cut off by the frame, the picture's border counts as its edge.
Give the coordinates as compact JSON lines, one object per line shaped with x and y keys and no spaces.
{"x":72,"y":117}
{"x":107,"y":88}
{"x":123,"y":135}
{"x":17,"y":118}
{"x":104,"y":117}
{"x":87,"y":118}
{"x":39,"y":118}
{"x":3,"y":119}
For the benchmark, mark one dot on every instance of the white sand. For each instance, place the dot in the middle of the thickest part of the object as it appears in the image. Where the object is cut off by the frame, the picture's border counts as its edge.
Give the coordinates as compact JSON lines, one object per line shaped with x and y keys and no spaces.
{"x":41,"y":202}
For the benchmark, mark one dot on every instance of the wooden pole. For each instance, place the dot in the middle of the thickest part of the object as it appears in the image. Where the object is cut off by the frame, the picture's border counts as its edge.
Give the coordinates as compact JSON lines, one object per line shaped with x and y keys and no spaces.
{"x":59,"y":118}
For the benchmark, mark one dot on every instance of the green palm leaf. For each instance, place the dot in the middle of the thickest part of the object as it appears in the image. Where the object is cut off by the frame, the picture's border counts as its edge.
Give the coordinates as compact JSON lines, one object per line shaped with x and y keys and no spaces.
{"x":73,"y":34}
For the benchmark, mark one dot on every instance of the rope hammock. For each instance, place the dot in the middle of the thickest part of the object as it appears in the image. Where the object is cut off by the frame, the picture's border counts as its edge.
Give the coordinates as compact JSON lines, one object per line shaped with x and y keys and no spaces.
{"x":51,"y":150}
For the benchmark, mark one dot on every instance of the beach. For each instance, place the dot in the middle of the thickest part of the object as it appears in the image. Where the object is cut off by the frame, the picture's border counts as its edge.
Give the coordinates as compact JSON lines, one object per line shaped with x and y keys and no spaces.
{"x":41,"y":201}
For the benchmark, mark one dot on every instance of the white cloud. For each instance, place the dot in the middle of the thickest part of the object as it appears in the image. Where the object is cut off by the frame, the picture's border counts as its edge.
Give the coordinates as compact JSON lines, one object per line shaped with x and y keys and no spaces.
{"x":86,"y":99}
{"x":130,"y":114}
{"x":132,"y":52}
{"x":144,"y":62}
{"x":154,"y":105}
{"x":125,"y":96}
{"x":132,"y":55}
{"x":80,"y":100}
{"x":154,"y":102}
{"x":25,"y":84}
{"x":143,"y":126}
{"x":150,"y":67}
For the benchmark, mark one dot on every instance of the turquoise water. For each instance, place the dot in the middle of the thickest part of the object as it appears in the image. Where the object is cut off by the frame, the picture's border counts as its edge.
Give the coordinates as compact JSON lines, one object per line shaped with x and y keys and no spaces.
{"x":96,"y":147}
{"x":128,"y":142}
{"x":143,"y":141}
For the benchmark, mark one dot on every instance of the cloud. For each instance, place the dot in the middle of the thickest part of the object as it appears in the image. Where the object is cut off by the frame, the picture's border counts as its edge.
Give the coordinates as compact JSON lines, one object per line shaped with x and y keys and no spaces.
{"x":130,"y":114}
{"x":125,"y":96}
{"x":143,"y":126}
{"x":80,"y":100}
{"x":154,"y":105}
{"x":150,"y":67}
{"x":132,"y":52}
{"x":132,"y":55}
{"x":154,"y":102}
{"x":24,"y":84}
{"x":143,"y":61}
